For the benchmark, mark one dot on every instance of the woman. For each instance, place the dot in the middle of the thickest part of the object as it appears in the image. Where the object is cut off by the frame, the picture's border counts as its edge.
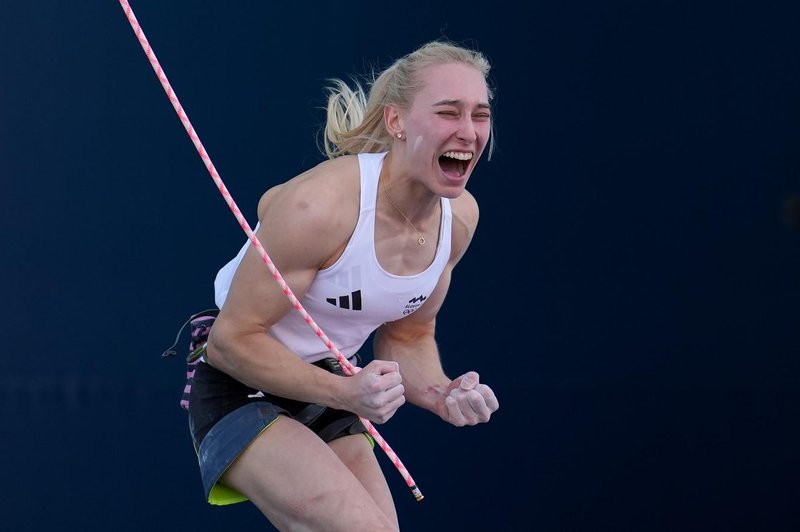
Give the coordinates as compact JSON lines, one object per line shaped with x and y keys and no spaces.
{"x":367,"y":242}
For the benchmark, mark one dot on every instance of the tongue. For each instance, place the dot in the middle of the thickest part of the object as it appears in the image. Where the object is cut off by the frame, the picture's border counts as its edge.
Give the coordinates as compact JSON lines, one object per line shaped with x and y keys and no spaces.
{"x":451,"y":166}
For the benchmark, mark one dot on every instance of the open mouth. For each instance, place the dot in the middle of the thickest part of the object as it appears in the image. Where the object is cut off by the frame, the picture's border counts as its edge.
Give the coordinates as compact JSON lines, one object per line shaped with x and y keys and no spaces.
{"x":455,"y":162}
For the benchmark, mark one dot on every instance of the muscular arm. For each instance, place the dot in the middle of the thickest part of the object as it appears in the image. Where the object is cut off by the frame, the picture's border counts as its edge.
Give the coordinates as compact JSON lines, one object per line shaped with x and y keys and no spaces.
{"x":298,"y":236}
{"x":411,"y":343}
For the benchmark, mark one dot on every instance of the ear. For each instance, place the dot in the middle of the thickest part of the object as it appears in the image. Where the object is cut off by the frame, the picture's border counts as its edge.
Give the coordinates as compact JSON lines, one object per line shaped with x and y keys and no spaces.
{"x":392,"y":120}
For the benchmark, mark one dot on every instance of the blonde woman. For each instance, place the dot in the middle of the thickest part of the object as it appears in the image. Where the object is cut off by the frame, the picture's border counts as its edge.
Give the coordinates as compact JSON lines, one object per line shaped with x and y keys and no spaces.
{"x":367,"y":241}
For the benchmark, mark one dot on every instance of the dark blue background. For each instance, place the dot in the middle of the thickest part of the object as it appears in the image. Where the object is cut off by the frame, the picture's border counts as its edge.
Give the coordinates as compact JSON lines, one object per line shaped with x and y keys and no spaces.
{"x":631,"y":293}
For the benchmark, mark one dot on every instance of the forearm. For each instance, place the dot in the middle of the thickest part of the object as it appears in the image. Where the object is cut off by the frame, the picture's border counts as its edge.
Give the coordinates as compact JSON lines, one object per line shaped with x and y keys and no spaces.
{"x":424,"y":379}
{"x":261,"y":362}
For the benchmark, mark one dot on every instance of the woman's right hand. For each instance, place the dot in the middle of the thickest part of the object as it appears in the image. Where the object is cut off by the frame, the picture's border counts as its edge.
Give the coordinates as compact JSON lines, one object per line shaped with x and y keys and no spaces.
{"x":375,"y":392}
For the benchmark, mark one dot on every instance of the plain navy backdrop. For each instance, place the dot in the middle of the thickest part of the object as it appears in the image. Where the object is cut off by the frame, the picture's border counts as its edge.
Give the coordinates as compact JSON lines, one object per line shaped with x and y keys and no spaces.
{"x":631,"y":293}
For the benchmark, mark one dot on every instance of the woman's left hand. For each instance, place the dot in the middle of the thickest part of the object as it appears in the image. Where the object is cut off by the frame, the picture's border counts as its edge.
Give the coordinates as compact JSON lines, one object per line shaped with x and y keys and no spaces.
{"x":468,"y":402}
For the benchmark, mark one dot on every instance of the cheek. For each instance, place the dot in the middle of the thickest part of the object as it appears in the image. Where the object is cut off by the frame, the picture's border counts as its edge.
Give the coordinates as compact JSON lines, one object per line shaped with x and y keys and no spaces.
{"x":484,"y":131}
{"x":416,"y":143}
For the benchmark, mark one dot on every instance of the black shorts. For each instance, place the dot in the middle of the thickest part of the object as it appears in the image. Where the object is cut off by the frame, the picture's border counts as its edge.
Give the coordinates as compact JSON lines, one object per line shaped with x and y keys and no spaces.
{"x":225,"y":416}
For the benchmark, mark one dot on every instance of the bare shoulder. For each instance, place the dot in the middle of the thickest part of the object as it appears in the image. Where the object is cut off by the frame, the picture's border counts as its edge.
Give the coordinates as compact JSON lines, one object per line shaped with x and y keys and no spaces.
{"x":327,"y":184}
{"x":465,"y":221}
{"x":317,"y":208}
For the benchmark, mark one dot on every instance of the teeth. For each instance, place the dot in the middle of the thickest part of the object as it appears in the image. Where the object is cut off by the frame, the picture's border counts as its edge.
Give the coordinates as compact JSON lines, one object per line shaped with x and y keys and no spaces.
{"x":461,"y":156}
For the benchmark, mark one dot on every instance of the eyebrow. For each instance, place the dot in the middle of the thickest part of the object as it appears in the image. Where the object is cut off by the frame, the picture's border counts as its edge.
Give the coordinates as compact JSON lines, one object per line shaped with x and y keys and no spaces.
{"x":481,"y":105}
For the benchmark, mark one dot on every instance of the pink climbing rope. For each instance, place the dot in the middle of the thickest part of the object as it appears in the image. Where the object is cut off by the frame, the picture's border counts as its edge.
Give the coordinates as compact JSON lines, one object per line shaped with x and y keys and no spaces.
{"x":349,"y":369}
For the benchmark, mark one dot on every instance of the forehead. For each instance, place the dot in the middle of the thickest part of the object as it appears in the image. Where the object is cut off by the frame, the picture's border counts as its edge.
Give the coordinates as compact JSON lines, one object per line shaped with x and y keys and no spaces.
{"x":452,"y":82}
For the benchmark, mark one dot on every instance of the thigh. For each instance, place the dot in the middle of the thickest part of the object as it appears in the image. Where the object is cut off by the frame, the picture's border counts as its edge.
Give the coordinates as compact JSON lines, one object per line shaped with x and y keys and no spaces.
{"x":300,"y":483}
{"x":357,"y":453}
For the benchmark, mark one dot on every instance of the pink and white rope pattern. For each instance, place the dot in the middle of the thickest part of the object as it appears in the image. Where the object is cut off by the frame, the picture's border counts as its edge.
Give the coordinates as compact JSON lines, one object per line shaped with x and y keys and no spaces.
{"x":349,"y":369}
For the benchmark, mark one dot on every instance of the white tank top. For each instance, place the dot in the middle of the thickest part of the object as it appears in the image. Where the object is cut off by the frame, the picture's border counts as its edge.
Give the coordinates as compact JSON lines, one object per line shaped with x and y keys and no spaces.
{"x":355,"y":295}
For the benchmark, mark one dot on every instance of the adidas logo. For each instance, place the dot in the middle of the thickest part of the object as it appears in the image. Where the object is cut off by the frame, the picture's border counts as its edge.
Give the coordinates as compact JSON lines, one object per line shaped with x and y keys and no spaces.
{"x":352,"y":301}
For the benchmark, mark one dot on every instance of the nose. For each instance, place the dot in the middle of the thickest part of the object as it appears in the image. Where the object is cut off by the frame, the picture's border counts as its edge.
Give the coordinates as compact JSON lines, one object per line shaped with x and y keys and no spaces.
{"x":466,"y":131}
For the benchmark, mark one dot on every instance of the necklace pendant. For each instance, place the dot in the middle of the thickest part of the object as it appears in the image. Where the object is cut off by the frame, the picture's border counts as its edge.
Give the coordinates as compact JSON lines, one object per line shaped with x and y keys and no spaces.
{"x":421,"y":240}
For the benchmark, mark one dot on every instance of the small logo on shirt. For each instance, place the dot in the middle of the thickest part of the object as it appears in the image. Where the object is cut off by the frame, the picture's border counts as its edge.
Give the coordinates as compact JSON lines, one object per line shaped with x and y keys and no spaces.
{"x":413,"y":304}
{"x":350,"y":302}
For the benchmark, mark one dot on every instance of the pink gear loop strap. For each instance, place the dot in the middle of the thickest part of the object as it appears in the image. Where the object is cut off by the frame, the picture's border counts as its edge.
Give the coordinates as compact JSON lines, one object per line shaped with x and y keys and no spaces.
{"x":349,"y":369}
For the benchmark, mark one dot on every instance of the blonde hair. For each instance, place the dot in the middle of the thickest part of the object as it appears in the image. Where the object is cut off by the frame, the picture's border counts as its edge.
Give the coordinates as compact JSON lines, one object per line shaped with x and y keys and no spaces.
{"x":355,"y":118}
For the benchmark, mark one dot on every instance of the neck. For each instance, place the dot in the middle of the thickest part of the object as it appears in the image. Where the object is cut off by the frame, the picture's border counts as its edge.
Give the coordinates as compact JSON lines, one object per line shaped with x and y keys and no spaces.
{"x":404,"y":193}
{"x":425,"y":222}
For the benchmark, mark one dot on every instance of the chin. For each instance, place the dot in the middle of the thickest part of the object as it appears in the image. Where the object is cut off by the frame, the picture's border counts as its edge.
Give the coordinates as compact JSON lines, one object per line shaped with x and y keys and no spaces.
{"x":452,"y":191}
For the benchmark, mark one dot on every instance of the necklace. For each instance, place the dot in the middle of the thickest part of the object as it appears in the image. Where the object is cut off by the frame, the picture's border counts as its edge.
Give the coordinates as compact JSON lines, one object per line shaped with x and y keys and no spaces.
{"x":421,"y":239}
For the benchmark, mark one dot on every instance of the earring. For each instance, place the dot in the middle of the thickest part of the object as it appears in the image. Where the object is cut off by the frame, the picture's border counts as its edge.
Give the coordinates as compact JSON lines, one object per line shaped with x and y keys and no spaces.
{"x":399,"y":135}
